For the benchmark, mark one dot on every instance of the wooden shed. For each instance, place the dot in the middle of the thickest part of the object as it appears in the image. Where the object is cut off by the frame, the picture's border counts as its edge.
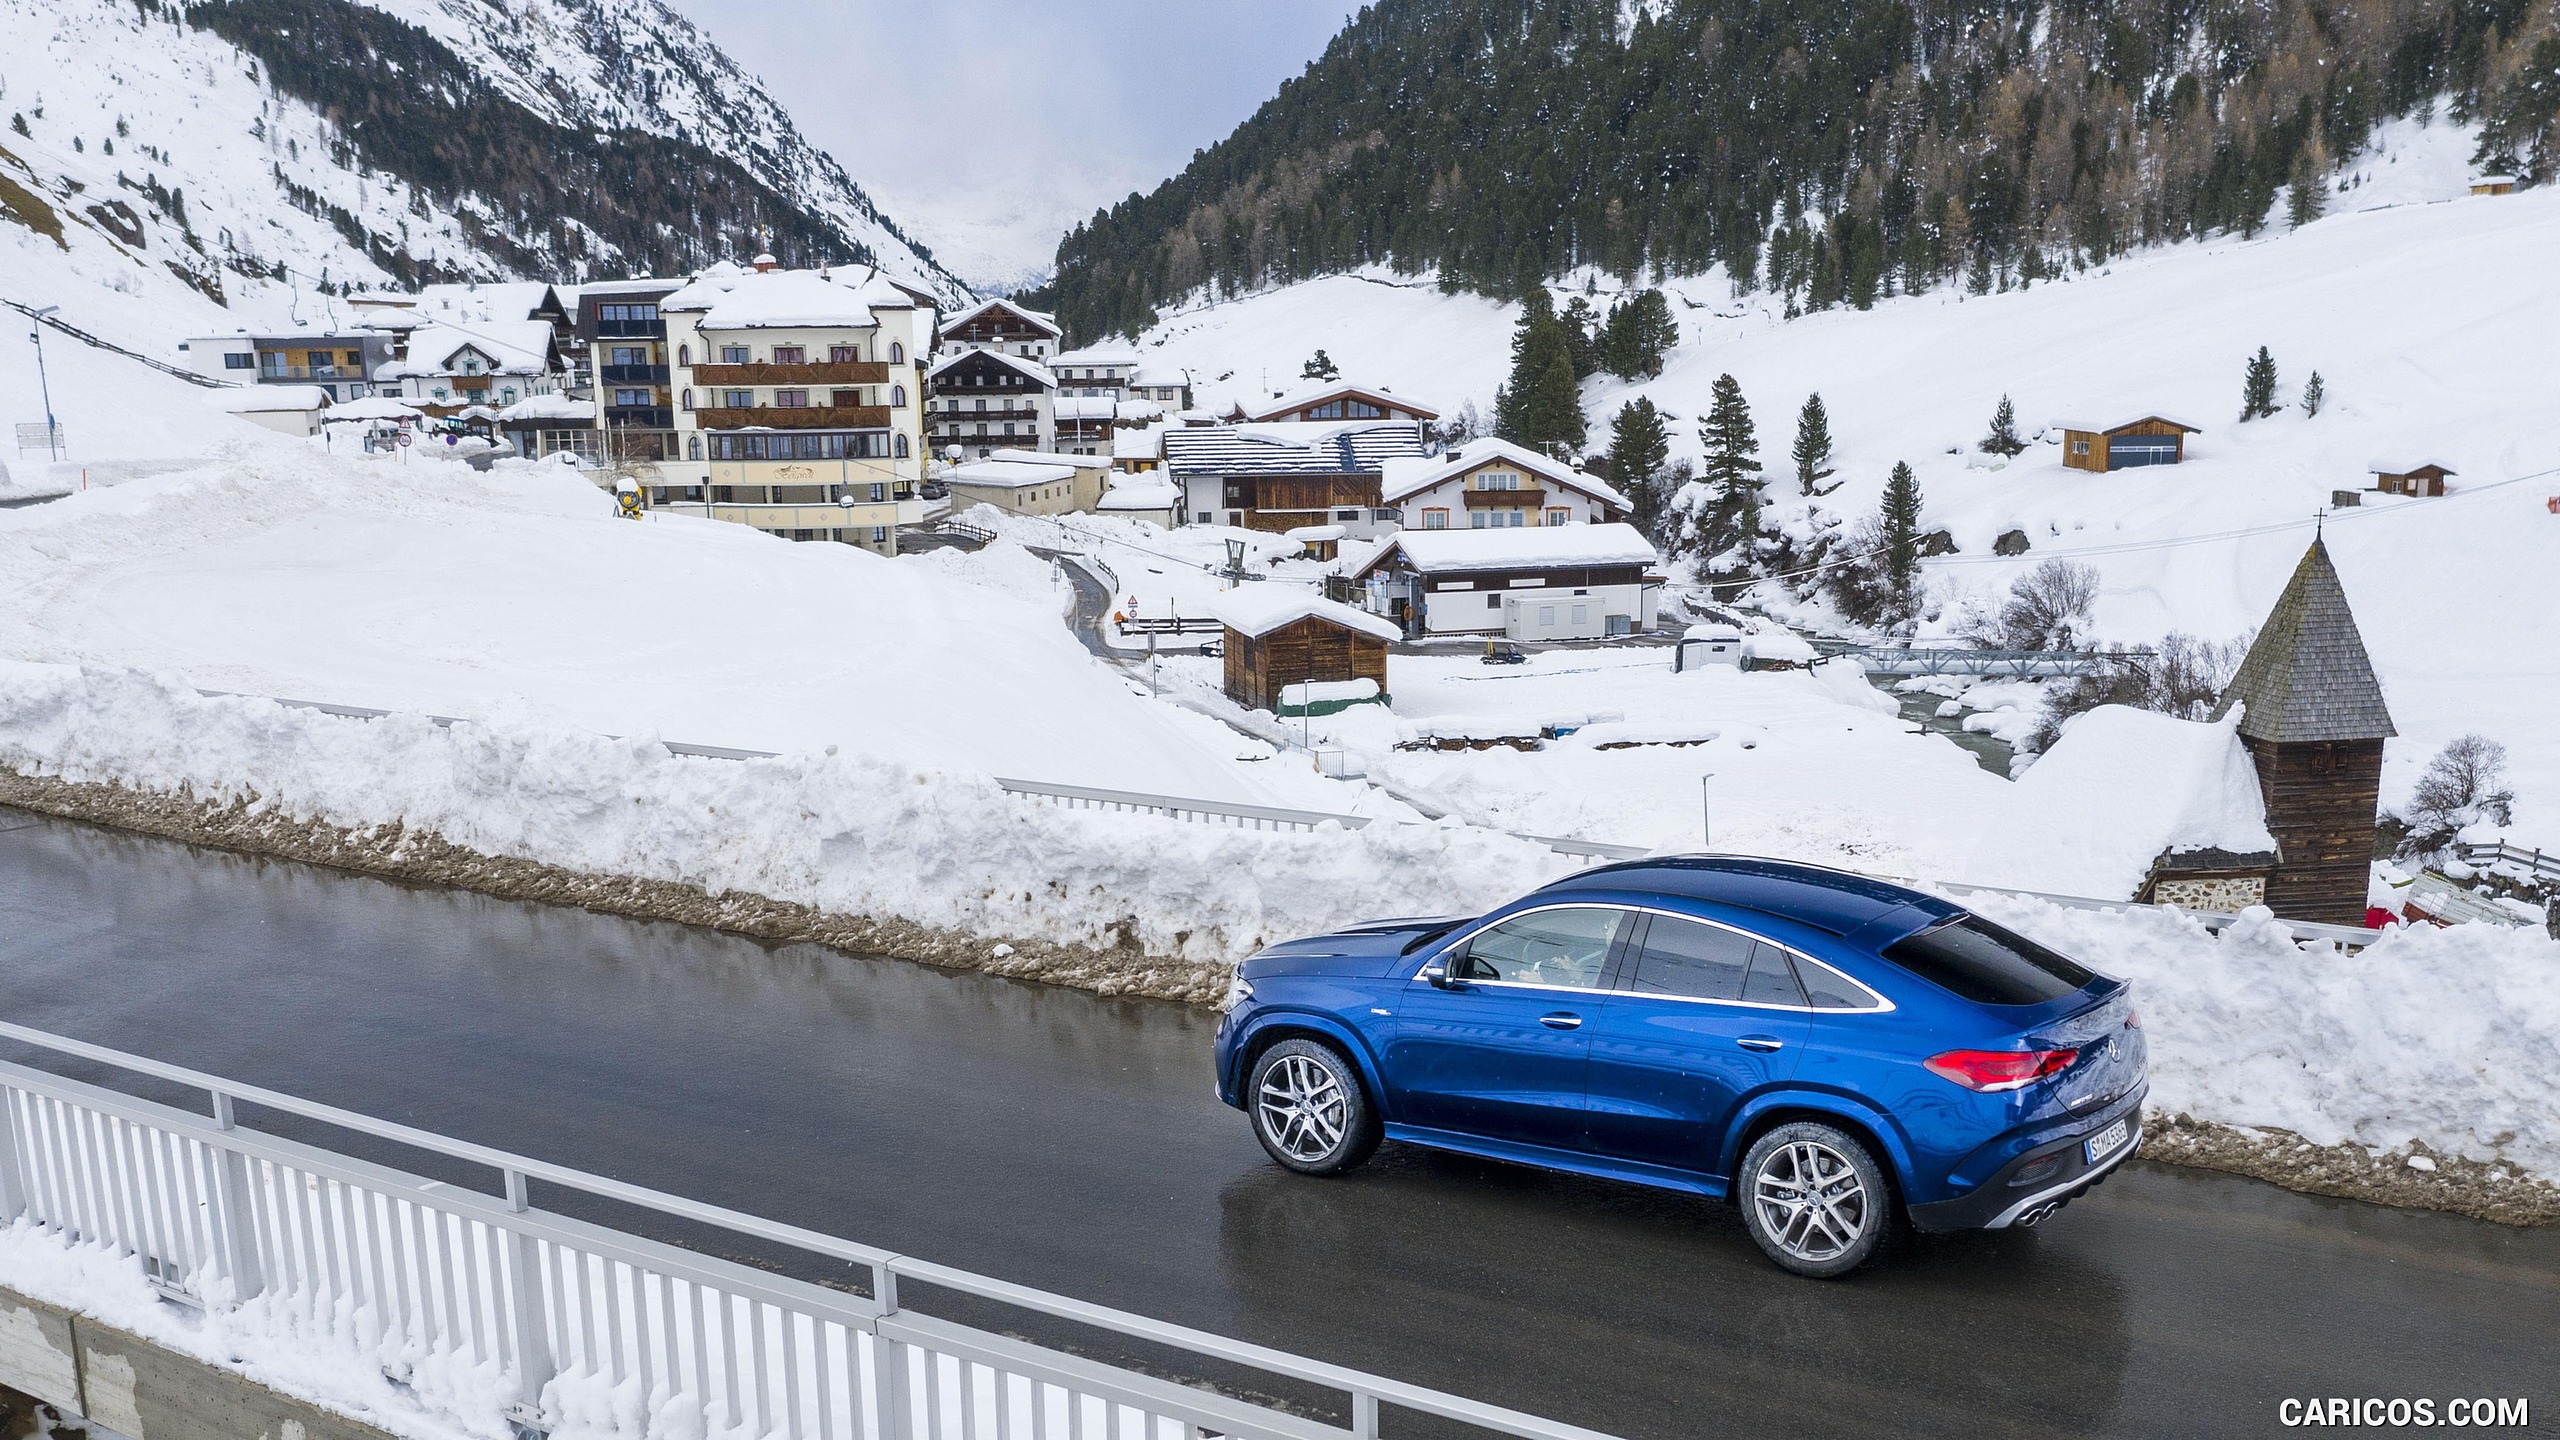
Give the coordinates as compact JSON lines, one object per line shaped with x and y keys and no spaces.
{"x":2143,"y":440}
{"x":2494,"y":185}
{"x":2393,"y":478}
{"x":1279,"y":635}
{"x":2313,"y":720}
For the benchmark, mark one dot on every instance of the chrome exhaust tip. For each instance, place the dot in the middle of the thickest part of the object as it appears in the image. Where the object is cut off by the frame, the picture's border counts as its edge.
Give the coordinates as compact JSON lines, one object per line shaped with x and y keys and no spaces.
{"x":2032,"y":1218}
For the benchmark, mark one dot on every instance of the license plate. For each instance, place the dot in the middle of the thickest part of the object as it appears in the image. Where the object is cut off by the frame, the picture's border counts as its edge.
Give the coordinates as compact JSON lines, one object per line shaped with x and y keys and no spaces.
{"x":2105,"y":1142}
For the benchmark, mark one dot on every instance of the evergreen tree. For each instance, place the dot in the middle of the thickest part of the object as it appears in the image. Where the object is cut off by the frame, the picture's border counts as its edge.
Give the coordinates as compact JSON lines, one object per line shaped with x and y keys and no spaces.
{"x":1728,"y":521}
{"x":2003,"y":439}
{"x":1638,"y":332}
{"x":2306,"y":195}
{"x":2314,"y":394}
{"x":1319,"y":367}
{"x":2258,"y":387}
{"x":1812,"y":450}
{"x":1639,"y":446}
{"x":1552,"y":419}
{"x":1899,"y":522}
{"x":1579,"y":338}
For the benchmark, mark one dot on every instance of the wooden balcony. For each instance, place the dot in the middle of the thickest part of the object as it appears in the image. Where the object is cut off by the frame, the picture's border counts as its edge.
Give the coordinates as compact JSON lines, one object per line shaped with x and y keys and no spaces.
{"x":852,"y":372}
{"x":1505,"y":499}
{"x":795,"y":417}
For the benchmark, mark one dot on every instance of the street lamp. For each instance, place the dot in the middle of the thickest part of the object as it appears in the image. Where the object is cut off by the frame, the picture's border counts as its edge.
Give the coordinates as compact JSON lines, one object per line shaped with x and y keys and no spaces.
{"x":52,"y":431}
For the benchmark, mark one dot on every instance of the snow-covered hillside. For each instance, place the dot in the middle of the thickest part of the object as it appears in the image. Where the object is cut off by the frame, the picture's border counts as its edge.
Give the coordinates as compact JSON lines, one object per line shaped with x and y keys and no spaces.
{"x":2429,"y":319}
{"x":153,"y":159}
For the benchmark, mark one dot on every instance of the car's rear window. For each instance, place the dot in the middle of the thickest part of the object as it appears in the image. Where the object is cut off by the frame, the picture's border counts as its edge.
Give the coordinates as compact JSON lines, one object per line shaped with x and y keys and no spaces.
{"x":1987,"y":964}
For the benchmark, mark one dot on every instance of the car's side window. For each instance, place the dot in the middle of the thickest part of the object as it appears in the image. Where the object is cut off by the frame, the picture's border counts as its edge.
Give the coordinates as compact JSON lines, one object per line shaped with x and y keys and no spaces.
{"x":1567,"y":946}
{"x":1772,"y":980}
{"x":1828,"y":989}
{"x":1692,"y":961}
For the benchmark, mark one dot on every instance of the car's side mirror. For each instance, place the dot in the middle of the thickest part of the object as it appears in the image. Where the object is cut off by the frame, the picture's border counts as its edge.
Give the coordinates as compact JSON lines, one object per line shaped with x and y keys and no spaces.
{"x":1437,"y":972}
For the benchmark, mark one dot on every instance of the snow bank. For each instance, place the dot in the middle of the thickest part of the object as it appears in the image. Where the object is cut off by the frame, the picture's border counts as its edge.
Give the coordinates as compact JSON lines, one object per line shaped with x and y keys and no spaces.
{"x":2448,"y":1036}
{"x":2119,"y":787}
{"x":850,"y":835}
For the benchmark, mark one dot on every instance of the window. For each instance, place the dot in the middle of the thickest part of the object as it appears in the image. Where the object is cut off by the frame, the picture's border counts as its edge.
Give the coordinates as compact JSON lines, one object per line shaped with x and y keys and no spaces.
{"x":1581,"y":614}
{"x":733,"y":354}
{"x":897,"y":397}
{"x":1493,"y":602}
{"x":1510,"y":519}
{"x":1478,"y":520}
{"x":1546,"y":616}
{"x":901,"y":442}
{"x":684,"y":355}
{"x":629,"y":355}
{"x":2079,"y":447}
{"x":982,"y":408}
{"x":1498,"y":480}
{"x":506,"y":394}
{"x":1346,"y":514}
{"x":1204,"y":517}
{"x":738,"y":399}
{"x":1559,"y":516}
{"x":1692,"y":960}
{"x":355,"y":360}
{"x":879,"y":493}
{"x":842,"y":355}
{"x":897,"y":353}
{"x":1435,"y":519}
{"x":1566,"y":947}
{"x":627,"y":312}
{"x":1984,"y":963}
{"x":240,"y":360}
{"x":685,"y":398}
{"x":791,"y":399}
{"x":693,"y":443}
{"x":790,"y":355}
{"x":1360,"y":410}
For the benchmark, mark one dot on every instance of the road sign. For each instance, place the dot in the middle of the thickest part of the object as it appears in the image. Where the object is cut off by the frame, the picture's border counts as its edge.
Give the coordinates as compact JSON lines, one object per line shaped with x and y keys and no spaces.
{"x":40,"y":436}
{"x":405,"y":438}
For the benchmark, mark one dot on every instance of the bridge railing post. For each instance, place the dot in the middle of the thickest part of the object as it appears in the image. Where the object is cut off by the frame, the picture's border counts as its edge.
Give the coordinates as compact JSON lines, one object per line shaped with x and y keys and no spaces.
{"x":528,"y":1330}
{"x":235,"y":1217}
{"x":889,"y":1362}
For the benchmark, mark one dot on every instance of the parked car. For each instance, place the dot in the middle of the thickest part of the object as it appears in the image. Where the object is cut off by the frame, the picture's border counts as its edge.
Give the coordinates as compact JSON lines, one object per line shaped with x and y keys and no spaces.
{"x":1835,"y":1054}
{"x":934,"y":490}
{"x":1503,"y":652}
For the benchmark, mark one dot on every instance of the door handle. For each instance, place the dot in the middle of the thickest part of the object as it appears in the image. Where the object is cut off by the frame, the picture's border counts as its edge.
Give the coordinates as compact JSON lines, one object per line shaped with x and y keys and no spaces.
{"x":1765,"y":1044}
{"x":1561,"y":1020}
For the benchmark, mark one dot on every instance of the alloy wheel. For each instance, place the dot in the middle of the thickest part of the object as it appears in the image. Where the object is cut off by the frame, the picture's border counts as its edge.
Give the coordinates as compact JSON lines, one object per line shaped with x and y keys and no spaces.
{"x":1812,"y":1203}
{"x":1303,"y":1108}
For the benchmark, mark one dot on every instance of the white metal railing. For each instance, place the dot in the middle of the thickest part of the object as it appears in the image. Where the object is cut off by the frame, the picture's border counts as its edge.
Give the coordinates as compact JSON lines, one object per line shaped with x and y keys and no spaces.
{"x":460,"y":1295}
{"x":2535,"y":862}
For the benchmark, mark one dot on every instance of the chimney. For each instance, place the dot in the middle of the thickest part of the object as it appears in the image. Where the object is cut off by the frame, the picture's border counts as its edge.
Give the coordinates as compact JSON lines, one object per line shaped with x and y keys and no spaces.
{"x":765,"y":263}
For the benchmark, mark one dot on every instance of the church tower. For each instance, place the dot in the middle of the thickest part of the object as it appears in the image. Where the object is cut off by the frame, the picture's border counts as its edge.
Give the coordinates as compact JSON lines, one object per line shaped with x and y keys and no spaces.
{"x":2314,"y":723}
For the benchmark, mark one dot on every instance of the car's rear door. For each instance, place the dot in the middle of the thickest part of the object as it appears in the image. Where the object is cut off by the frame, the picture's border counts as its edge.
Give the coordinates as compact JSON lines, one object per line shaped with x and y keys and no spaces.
{"x":1500,"y":1051}
{"x":1703,"y":1015}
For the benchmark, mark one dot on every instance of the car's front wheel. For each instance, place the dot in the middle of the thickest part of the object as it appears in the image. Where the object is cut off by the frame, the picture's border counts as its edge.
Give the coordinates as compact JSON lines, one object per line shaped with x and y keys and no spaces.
{"x":1309,"y":1110}
{"x":1814,"y":1198}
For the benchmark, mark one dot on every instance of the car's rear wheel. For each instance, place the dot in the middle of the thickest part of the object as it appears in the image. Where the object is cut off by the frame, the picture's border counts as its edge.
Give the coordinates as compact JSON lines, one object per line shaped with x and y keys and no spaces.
{"x":1814,"y":1198}
{"x":1308,"y":1108}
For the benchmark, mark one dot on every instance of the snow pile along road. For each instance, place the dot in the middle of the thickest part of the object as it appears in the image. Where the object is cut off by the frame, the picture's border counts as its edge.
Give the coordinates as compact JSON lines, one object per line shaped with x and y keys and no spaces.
{"x":2447,"y":1037}
{"x":851,"y":835}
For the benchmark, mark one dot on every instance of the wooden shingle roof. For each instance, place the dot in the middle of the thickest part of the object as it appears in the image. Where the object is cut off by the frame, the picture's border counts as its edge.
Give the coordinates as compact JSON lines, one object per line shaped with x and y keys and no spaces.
{"x":2307,"y":676}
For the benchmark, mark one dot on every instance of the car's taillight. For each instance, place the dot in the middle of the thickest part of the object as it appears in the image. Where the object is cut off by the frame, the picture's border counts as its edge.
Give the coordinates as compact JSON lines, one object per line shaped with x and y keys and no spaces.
{"x":2132,"y":1018}
{"x":1995,"y":1070}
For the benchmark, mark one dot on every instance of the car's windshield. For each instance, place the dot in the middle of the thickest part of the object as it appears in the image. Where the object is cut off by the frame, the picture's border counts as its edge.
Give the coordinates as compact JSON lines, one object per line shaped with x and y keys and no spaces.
{"x":1567,"y":946}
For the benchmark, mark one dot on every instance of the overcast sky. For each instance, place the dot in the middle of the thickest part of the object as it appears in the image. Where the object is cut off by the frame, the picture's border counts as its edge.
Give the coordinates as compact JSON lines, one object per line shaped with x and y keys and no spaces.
{"x":987,"y":128}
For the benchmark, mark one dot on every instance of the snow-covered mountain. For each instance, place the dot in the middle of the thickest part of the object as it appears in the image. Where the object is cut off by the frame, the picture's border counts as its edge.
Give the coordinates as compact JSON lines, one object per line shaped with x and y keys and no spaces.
{"x":256,"y":149}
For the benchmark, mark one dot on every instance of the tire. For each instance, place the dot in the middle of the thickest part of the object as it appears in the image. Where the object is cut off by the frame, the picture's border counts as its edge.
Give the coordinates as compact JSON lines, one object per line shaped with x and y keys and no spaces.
{"x":1823,"y":1238}
{"x":1308,"y":1109}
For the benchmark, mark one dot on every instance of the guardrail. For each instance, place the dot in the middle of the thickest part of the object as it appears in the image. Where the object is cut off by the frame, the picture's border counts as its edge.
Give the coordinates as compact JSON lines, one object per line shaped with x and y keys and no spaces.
{"x":448,"y":1289}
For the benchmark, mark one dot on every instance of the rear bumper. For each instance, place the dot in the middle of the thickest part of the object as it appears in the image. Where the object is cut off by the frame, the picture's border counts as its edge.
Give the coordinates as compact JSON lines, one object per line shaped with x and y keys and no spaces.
{"x":2005,"y":1200}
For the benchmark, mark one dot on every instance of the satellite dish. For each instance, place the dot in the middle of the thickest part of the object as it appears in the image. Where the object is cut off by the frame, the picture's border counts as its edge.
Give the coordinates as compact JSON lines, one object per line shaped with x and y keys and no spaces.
{"x":845,"y":500}
{"x":952,"y":454}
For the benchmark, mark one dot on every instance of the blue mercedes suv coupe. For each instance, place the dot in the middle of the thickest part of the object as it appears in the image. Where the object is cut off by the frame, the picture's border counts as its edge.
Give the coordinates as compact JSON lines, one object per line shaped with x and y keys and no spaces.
{"x":1831,"y":1052}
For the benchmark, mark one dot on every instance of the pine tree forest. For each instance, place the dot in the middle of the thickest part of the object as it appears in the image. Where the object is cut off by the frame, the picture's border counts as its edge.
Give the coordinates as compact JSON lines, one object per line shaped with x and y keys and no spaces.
{"x":1837,"y":151}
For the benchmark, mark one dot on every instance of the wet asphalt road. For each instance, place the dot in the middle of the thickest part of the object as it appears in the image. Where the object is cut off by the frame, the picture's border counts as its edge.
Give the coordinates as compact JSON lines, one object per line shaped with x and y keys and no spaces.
{"x":1072,"y":1142}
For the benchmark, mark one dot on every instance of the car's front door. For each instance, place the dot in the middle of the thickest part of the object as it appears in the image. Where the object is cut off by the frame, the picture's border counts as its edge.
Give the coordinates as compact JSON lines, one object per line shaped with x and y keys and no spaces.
{"x":1499,"y":1050}
{"x":1702,"y":1016}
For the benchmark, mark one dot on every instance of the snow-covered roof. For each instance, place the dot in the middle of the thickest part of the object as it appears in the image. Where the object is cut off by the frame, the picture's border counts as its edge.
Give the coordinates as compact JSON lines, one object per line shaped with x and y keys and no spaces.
{"x":549,"y":407}
{"x":2120,"y":788}
{"x":1411,"y":479}
{"x":1045,"y":457}
{"x":2395,"y":467}
{"x":1023,"y":364}
{"x":260,"y":398}
{"x":1358,"y":448}
{"x":1140,"y":411}
{"x":1040,"y":319}
{"x":997,"y":475}
{"x":1141,"y":492}
{"x":1309,"y":534}
{"x":467,"y":301}
{"x":1138,"y":444}
{"x":1713,"y":630}
{"x":1095,"y":355}
{"x":2129,"y":424}
{"x":1088,"y":407}
{"x":731,"y":299}
{"x":1160,"y":377}
{"x":1522,"y":547}
{"x":1297,"y":400}
{"x":1260,"y":609}
{"x":512,"y":347}
{"x":383,"y":407}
